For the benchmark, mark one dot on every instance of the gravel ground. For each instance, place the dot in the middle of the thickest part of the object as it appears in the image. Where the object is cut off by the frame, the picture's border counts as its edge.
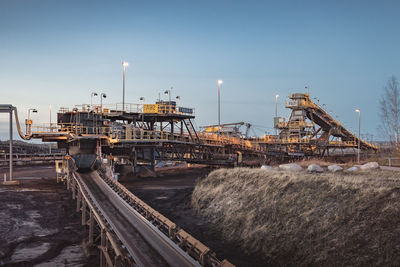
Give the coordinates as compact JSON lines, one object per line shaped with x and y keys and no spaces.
{"x":38,"y":222}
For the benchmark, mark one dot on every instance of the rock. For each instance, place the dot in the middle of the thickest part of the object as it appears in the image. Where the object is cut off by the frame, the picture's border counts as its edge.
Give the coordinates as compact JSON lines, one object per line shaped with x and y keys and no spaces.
{"x":370,"y":166}
{"x":315,"y":168}
{"x":352,"y":169}
{"x":335,"y":168}
{"x":266,"y":167}
{"x":290,"y":167}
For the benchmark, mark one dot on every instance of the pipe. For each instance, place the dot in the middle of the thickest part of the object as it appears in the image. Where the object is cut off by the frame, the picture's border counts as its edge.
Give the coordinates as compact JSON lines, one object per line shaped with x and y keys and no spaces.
{"x":21,"y":134}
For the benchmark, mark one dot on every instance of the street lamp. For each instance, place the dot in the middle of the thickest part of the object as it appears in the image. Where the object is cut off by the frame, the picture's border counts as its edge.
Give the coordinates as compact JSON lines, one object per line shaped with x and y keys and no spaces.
{"x":28,"y":121}
{"x":142,"y":99}
{"x":179,"y":99}
{"x":359,"y":124}
{"x":124,"y":65}
{"x":168,"y":92}
{"x":276,"y":114}
{"x":219,"y":102}
{"x":91,"y":99}
{"x":103,"y":95}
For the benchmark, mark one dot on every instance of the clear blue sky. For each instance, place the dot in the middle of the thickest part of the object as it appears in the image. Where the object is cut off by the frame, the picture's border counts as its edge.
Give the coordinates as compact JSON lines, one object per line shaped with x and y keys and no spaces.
{"x":58,"y":52}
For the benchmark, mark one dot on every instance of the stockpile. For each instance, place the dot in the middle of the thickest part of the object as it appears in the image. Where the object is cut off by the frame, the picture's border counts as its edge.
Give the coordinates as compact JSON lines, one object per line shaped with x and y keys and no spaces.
{"x":299,"y":218}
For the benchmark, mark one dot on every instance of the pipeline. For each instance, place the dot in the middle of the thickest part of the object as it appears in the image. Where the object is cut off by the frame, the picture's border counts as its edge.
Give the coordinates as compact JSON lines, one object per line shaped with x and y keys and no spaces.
{"x":21,"y":134}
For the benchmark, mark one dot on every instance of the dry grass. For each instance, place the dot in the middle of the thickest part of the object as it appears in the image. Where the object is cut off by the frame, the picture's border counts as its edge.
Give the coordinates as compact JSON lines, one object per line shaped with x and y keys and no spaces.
{"x":306,"y":219}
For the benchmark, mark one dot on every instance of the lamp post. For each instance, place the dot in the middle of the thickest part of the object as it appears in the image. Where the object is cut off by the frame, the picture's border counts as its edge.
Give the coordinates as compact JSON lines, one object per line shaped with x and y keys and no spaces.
{"x":124,"y":65}
{"x":219,"y":82}
{"x":28,"y":121}
{"x":103,"y":95}
{"x":51,"y":129}
{"x":142,"y":99}
{"x":169,"y":106}
{"x":359,"y":127}
{"x":168,"y":92}
{"x":179,"y":99}
{"x":91,"y":99}
{"x":276,"y":114}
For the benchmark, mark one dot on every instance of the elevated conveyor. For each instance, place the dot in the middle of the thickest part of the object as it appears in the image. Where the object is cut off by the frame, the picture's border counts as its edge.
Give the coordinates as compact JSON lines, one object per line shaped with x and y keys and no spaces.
{"x":328,"y":125}
{"x":131,"y":233}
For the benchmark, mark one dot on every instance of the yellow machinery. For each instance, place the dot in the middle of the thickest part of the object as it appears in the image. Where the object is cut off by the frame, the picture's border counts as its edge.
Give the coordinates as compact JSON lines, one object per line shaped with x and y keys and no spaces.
{"x":61,"y":170}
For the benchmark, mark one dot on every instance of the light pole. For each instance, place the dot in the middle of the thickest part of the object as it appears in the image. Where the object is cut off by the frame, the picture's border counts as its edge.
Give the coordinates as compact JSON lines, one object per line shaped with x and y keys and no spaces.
{"x":219,"y":102}
{"x":359,"y":124}
{"x":91,"y":99}
{"x":168,"y":92}
{"x":179,"y":99}
{"x":142,"y":99}
{"x":169,"y":106}
{"x":124,"y":65}
{"x":276,"y":114}
{"x":103,"y":95}
{"x":50,"y":118}
{"x":28,"y":121}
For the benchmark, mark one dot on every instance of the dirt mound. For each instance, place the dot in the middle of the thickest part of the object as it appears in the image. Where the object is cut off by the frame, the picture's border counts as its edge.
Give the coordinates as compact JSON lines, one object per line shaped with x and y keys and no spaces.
{"x":306,"y":219}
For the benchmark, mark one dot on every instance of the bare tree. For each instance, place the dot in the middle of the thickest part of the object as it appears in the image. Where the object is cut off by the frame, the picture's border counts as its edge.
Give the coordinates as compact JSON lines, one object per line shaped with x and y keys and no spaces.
{"x":390,"y":111}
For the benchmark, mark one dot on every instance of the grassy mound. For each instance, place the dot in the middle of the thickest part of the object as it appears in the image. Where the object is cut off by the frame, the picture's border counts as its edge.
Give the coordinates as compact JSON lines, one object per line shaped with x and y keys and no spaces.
{"x":306,"y":219}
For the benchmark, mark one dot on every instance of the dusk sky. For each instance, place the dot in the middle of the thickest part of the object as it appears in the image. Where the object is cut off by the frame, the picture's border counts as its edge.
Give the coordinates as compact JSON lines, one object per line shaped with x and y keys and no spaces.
{"x":58,"y":52}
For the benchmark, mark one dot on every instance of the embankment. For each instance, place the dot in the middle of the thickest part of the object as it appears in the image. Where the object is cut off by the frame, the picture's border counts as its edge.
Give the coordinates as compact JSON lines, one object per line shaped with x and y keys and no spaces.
{"x":305,"y":219}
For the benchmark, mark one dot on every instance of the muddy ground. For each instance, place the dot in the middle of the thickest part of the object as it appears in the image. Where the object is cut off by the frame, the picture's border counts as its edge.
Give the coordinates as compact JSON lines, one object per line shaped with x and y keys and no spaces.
{"x":170,"y":194}
{"x":39,"y":225}
{"x":38,"y":222}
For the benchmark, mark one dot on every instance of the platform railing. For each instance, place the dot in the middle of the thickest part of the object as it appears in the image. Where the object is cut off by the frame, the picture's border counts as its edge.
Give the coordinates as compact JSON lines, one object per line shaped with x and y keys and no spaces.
{"x":120,"y":108}
{"x":115,"y":134}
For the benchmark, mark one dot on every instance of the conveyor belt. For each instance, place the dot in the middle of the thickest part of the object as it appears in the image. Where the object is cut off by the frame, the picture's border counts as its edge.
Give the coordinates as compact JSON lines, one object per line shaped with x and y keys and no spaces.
{"x":319,"y":116}
{"x":145,"y":242}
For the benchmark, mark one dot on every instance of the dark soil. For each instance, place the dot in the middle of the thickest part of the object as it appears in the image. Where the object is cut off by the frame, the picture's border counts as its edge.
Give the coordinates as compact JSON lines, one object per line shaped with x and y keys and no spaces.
{"x":38,"y":222}
{"x":170,"y":194}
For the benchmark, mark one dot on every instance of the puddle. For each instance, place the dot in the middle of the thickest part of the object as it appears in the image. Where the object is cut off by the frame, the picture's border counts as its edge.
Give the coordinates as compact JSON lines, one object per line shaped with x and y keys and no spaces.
{"x":69,"y":256}
{"x":34,"y":214}
{"x":14,"y":206}
{"x":162,"y":197}
{"x":30,"y":190}
{"x":29,"y":226}
{"x":28,"y":178}
{"x":27,"y":252}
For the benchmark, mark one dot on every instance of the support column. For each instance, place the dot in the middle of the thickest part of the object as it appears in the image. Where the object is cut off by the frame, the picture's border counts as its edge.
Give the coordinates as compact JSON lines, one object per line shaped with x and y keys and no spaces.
{"x":103,"y":241}
{"x":91,"y":227}
{"x":84,"y":204}
{"x":181,"y":129}
{"x":11,"y":145}
{"x":153,"y":159}
{"x":134,"y":160}
{"x":172,"y":129}
{"x":78,"y":201}
{"x":73,"y":189}
{"x":117,"y":261}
